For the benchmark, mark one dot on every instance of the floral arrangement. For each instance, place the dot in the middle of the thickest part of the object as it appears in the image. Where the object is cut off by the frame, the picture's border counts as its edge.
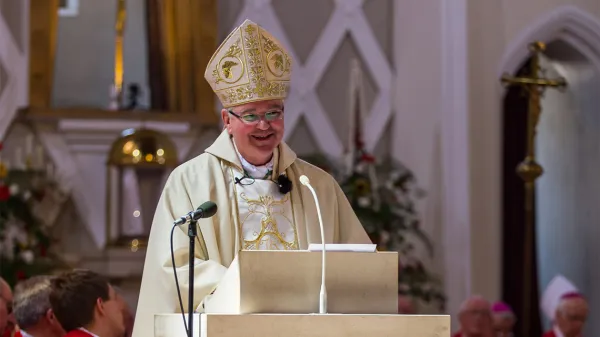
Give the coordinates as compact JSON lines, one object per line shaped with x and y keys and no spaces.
{"x":383,"y":198}
{"x":25,"y":240}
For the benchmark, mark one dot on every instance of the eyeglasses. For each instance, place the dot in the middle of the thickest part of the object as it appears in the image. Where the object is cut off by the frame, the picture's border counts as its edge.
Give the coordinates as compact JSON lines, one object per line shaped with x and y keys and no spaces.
{"x":252,"y":119}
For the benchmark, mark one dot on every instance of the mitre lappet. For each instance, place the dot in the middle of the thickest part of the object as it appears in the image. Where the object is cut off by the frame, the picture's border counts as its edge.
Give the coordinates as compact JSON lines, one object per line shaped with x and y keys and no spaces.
{"x":250,"y":65}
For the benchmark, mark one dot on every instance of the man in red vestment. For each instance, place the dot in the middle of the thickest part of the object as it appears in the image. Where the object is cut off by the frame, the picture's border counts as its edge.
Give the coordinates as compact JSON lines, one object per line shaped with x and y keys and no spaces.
{"x":475,"y":317}
{"x":570,"y":316}
{"x":87,"y":305}
{"x":504,"y":319}
{"x":32,"y":309}
{"x":564,"y":305}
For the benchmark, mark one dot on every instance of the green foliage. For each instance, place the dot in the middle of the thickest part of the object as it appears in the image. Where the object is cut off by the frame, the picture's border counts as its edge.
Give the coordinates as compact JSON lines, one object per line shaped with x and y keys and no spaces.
{"x":383,"y":198}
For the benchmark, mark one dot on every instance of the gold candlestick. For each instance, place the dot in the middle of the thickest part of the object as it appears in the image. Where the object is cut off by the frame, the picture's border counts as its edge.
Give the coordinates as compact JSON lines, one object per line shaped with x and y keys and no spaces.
{"x":529,"y":170}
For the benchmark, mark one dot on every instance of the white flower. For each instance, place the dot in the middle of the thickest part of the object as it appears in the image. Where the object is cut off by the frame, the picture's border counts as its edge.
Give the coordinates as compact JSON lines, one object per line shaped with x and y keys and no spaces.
{"x":27,"y":195}
{"x":27,"y":256}
{"x":384,"y":236}
{"x":364,"y":202}
{"x":14,"y":189}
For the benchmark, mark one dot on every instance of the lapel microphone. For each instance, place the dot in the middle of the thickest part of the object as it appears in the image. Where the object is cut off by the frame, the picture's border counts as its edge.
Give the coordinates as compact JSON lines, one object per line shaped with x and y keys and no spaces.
{"x":284,"y":183}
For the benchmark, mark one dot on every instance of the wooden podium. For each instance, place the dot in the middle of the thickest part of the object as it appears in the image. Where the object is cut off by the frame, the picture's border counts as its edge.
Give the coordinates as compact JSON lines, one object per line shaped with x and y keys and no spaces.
{"x":266,"y":293}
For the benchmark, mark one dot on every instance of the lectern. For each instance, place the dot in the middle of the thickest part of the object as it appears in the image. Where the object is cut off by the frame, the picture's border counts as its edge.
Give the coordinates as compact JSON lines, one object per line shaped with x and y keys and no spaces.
{"x":272,"y":293}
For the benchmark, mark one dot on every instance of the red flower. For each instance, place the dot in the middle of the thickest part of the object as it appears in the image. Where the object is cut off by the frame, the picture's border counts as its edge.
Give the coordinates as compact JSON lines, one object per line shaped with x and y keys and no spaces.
{"x":1,"y":146}
{"x":21,"y":275}
{"x":4,"y":193}
{"x":367,"y":158}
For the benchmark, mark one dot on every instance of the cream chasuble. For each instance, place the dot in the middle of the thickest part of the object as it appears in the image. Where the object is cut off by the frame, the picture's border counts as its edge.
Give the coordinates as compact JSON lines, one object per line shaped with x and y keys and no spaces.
{"x":249,"y":216}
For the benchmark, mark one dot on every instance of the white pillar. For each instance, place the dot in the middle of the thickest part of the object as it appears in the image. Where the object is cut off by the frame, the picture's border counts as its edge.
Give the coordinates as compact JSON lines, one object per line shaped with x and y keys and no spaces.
{"x":456,"y":210}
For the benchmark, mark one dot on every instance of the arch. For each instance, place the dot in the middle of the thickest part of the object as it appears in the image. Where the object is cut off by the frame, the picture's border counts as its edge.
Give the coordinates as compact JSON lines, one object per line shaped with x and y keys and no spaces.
{"x":568,"y":23}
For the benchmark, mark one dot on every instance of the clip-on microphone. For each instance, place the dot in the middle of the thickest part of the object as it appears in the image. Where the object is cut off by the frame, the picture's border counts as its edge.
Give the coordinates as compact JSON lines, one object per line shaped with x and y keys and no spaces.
{"x":323,"y":295}
{"x":206,"y":210}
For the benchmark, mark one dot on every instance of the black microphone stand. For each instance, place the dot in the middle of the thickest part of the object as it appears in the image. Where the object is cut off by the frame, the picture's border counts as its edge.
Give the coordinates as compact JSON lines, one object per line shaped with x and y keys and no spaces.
{"x":192,"y":233}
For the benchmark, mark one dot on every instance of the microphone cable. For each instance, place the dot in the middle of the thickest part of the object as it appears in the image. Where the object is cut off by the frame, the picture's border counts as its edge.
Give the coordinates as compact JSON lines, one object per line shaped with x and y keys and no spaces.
{"x":187,"y":331}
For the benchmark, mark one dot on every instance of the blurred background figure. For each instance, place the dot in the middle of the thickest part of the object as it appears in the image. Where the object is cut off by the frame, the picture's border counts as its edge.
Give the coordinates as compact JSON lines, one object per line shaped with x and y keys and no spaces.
{"x":475,"y":317}
{"x":504,"y":319}
{"x":565,"y":307}
{"x":32,"y":309}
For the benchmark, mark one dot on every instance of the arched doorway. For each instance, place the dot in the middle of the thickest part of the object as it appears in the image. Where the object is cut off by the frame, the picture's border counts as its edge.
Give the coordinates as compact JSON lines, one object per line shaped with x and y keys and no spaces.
{"x":566,"y":212}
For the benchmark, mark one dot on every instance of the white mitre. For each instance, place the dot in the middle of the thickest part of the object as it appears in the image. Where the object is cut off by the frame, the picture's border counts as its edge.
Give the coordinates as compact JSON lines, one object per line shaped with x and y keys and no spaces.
{"x":250,"y":65}
{"x":553,"y":293}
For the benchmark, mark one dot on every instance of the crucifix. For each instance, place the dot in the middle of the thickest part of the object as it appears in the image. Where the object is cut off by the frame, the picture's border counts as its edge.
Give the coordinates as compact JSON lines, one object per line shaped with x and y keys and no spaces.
{"x":529,"y":170}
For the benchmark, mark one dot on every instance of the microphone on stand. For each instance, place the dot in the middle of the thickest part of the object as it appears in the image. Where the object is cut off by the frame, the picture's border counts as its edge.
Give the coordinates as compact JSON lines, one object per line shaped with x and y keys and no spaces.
{"x":323,"y":295}
{"x":206,"y":210}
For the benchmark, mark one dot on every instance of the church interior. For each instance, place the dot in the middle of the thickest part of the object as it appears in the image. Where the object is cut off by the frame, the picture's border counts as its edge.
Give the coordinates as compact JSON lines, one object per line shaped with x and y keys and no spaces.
{"x":436,"y":118}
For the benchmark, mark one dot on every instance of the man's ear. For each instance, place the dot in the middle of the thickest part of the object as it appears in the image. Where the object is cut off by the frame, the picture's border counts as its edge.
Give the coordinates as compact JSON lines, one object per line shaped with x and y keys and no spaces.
{"x":225,"y":117}
{"x":100,"y":306}
{"x":50,"y":316}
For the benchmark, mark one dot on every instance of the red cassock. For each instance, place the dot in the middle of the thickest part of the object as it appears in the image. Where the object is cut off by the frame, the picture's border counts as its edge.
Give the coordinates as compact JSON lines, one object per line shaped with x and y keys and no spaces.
{"x":11,"y":333}
{"x":77,"y":333}
{"x":459,"y":334}
{"x":549,"y":334}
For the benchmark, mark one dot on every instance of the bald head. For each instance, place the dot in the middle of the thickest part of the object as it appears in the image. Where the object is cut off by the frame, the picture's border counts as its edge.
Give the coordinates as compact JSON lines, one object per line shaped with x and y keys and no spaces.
{"x":475,"y":303}
{"x":571,"y":315}
{"x":475,"y":317}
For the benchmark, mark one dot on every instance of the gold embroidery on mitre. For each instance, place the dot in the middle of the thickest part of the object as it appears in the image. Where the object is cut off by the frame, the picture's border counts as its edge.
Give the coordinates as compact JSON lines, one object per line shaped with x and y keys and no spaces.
{"x":267,"y":208}
{"x":249,"y":66}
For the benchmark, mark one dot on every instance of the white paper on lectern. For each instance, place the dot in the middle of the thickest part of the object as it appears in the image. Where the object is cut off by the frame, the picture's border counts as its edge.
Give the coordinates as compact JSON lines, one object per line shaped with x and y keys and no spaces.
{"x":343,"y":247}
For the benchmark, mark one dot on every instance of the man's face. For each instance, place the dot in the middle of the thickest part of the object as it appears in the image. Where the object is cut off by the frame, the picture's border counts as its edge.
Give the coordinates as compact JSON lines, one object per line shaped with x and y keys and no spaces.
{"x":503,"y":325}
{"x":112,"y":312}
{"x":257,"y":129}
{"x":476,"y":320}
{"x":571,"y":317}
{"x":7,"y":319}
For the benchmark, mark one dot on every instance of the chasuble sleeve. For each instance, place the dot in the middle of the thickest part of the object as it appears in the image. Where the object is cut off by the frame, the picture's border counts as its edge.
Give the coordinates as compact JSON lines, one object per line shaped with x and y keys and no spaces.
{"x":349,"y":228}
{"x":158,"y":293}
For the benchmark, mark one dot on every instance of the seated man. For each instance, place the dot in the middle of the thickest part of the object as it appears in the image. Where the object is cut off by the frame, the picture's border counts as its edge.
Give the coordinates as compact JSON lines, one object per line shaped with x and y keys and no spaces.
{"x":250,"y":173}
{"x":8,"y":326}
{"x":86,"y":305}
{"x":566,"y":307}
{"x":475,"y":317}
{"x":32,"y":309}
{"x":503,"y":319}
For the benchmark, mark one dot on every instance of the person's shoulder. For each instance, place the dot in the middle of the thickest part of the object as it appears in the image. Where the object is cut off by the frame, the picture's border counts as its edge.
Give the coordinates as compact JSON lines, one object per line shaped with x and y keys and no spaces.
{"x":200,"y":165}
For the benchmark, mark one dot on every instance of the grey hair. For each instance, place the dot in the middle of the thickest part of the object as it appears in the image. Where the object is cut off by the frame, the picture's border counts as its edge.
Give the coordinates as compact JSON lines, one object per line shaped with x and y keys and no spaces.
{"x":32,"y":300}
